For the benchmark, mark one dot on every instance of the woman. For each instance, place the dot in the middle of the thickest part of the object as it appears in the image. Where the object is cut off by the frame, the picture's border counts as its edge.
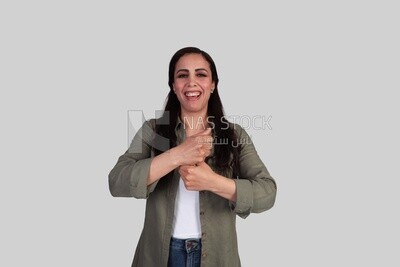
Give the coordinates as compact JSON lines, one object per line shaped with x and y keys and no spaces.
{"x":196,"y":170}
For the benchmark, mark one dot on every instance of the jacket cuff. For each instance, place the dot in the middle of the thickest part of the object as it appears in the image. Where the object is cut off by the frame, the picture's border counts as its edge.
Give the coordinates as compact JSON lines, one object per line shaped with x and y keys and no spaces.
{"x":139,"y":187}
{"x":244,"y":198}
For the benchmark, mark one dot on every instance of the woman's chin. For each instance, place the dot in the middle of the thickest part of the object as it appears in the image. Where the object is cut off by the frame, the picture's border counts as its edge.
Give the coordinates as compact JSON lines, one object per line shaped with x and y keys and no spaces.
{"x":193,"y":108}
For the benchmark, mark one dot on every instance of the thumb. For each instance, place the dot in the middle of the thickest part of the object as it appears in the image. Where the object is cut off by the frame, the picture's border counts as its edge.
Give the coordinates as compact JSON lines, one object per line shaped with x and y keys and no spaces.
{"x":201,"y":164}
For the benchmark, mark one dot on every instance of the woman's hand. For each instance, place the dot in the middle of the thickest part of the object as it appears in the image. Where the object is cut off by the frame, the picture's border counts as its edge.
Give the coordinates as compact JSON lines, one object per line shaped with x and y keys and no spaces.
{"x":199,"y":177}
{"x":194,"y":149}
{"x":202,"y":177}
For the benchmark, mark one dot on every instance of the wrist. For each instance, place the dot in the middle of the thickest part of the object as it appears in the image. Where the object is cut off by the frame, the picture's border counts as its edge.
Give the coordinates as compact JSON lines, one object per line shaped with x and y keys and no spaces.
{"x":224,"y":187}
{"x":215,"y":183}
{"x":174,"y":157}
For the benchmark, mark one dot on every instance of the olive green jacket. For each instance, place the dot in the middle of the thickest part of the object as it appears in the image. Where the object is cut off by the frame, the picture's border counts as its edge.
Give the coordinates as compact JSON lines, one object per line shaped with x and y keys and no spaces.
{"x":255,"y":191}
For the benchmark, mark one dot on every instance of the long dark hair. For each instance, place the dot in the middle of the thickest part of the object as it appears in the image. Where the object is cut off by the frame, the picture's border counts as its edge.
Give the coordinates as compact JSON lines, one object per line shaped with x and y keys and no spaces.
{"x":225,"y":156}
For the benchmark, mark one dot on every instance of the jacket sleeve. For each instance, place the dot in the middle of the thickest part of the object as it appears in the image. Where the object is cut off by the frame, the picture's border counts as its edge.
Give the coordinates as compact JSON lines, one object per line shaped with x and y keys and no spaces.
{"x":129,"y":176}
{"x":255,"y":188}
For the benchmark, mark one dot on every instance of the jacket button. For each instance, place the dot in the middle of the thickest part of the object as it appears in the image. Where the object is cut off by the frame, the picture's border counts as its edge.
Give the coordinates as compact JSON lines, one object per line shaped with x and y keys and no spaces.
{"x":201,"y":212}
{"x":203,"y":234}
{"x":204,"y":255}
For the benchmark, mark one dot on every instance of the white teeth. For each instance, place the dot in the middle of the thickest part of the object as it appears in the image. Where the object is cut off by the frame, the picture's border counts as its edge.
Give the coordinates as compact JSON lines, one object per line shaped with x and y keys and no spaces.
{"x":192,"y":93}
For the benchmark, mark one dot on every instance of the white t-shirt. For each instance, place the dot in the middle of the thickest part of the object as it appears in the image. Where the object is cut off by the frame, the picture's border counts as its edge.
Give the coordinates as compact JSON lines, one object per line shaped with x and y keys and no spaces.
{"x":186,"y":222}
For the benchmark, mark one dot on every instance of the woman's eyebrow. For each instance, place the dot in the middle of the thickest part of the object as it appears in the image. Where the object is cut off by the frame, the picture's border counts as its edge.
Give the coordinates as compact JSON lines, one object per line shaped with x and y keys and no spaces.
{"x":186,"y":70}
{"x":201,"y":69}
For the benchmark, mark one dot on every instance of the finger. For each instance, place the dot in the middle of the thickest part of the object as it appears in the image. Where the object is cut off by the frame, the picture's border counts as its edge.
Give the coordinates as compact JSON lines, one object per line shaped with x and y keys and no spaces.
{"x":210,"y":142}
{"x":200,"y":164}
{"x":187,"y":169}
{"x":205,"y":150}
{"x":205,"y":140}
{"x":207,"y":147}
{"x":208,"y":153}
{"x":183,"y":168}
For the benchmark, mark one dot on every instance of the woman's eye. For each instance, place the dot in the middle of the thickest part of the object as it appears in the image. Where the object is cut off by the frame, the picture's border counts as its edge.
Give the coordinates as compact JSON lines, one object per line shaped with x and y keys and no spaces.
{"x":202,"y":75}
{"x":182,"y":75}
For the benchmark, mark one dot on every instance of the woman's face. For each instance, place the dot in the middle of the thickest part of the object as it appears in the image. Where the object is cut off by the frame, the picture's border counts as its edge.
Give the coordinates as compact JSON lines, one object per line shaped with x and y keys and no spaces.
{"x":193,"y":83}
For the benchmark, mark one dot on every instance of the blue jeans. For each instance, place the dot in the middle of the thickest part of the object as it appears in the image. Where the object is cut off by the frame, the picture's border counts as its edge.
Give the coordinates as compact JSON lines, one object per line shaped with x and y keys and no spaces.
{"x":184,"y":252}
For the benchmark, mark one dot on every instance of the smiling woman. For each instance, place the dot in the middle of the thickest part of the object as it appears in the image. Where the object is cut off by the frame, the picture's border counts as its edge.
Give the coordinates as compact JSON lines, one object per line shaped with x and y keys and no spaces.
{"x":194,"y":187}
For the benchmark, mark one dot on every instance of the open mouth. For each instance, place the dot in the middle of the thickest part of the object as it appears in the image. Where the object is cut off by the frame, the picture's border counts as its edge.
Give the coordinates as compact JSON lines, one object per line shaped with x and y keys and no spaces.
{"x":192,"y":95}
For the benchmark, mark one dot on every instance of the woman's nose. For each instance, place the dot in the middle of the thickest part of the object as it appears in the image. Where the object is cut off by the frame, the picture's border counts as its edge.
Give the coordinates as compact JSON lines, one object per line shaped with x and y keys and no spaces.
{"x":192,"y":81}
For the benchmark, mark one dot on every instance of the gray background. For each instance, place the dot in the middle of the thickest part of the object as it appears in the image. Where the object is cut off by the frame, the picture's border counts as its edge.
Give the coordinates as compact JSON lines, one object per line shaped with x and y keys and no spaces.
{"x":327,"y":73}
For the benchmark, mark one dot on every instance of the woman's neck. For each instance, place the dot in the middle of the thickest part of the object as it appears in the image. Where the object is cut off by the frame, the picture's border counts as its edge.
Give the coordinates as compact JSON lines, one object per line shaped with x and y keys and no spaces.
{"x":194,"y":122}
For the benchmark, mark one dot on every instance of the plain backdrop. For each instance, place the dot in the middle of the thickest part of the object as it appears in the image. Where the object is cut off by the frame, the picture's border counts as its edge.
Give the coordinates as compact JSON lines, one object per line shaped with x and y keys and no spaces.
{"x":327,"y":72}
